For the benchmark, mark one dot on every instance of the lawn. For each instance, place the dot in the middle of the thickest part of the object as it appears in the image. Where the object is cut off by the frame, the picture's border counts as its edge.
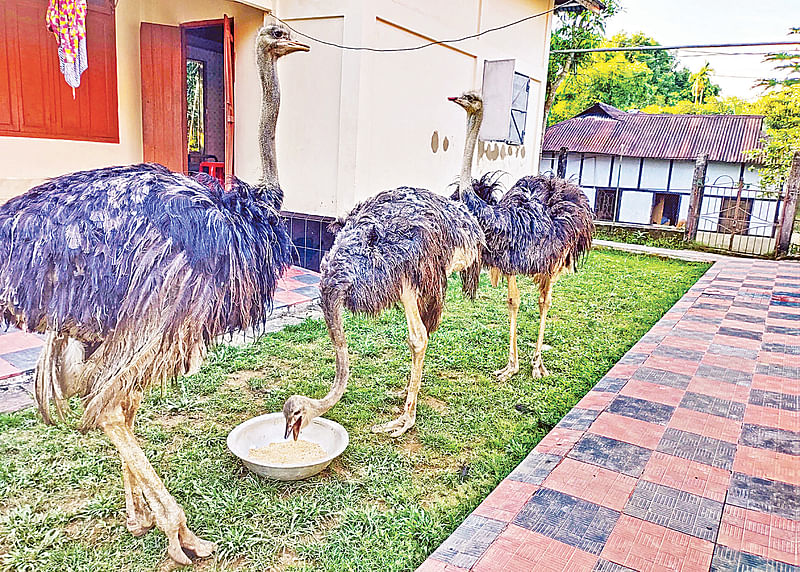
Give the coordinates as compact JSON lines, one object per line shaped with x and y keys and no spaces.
{"x":385,"y":504}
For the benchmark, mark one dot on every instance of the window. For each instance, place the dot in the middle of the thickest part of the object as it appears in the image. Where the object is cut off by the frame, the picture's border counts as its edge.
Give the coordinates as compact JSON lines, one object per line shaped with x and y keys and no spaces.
{"x":665,"y":209}
{"x":605,"y":204}
{"x":35,"y":101}
{"x":519,"y":109}
{"x":195,"y":105}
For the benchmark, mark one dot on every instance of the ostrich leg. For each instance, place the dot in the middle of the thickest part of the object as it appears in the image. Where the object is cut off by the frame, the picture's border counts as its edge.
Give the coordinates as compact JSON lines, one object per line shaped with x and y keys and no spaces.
{"x":545,"y":299}
{"x":168,"y":515}
{"x":418,"y":343}
{"x":513,"y":311}
{"x":139,"y":517}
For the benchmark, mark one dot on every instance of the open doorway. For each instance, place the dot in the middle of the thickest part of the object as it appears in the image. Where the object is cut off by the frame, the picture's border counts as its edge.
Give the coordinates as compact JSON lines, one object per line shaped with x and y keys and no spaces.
{"x":665,"y":209}
{"x":205,"y":94}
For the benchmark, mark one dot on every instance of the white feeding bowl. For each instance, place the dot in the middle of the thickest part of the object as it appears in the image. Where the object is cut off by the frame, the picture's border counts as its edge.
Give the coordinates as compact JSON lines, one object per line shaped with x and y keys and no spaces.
{"x":265,"y":429}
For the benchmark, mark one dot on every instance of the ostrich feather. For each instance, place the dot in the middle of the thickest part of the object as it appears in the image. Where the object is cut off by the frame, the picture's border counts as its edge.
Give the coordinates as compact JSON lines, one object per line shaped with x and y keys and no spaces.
{"x":540,"y":223}
{"x":404,"y":235}
{"x":137,"y":263}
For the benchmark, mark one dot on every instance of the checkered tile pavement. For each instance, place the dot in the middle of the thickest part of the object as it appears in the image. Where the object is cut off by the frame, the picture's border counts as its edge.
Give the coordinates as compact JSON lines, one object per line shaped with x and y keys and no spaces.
{"x":685,"y":456}
{"x":19,"y":350}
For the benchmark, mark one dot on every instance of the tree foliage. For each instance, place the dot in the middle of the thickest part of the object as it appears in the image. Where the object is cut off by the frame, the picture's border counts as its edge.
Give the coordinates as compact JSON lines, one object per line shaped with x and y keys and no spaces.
{"x":627,"y":80}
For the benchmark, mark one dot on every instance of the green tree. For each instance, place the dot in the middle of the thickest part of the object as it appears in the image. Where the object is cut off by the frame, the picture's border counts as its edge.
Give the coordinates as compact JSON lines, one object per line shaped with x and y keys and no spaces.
{"x":785,"y":62}
{"x":574,"y":29}
{"x":781,"y":111}
{"x":700,"y":82}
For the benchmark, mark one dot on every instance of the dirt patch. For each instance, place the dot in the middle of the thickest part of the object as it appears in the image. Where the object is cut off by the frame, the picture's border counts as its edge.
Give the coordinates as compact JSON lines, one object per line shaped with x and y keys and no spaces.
{"x":411,"y":444}
{"x":436,"y":404}
{"x":240,"y":379}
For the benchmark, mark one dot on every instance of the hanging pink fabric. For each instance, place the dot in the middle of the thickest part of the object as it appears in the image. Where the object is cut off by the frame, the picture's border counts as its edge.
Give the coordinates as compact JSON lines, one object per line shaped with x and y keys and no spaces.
{"x":67,"y":20}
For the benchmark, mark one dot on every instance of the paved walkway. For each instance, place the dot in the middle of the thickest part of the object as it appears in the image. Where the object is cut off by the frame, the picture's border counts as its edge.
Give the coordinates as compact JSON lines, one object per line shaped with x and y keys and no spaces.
{"x":19,"y":351}
{"x":685,"y":456}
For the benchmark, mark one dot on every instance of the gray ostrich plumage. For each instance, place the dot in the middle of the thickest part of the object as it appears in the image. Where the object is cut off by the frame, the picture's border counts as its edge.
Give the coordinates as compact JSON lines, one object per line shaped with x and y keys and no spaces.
{"x":132,"y":272}
{"x":541,"y":228}
{"x":400,"y":246}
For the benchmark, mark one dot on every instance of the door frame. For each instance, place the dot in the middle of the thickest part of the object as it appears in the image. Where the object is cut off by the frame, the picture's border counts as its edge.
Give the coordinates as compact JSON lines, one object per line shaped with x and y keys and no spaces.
{"x":184,"y":27}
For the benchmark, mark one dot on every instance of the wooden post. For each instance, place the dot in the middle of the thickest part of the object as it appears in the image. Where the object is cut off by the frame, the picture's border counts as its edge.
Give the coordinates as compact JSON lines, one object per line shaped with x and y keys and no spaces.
{"x":789,"y":208}
{"x":561,"y":171}
{"x":696,"y":200}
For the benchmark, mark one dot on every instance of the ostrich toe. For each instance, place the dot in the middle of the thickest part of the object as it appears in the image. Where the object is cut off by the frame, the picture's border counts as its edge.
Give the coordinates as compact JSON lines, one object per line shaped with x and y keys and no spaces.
{"x":539,"y":370}
{"x":397,"y":427}
{"x":508,"y":371}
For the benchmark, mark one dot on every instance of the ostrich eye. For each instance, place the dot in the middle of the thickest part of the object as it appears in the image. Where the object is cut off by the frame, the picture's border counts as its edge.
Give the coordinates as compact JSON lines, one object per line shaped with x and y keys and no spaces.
{"x":277,"y":33}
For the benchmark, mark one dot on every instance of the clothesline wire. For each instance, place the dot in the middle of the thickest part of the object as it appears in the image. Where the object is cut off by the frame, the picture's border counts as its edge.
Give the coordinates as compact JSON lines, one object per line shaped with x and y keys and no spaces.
{"x":420,"y":46}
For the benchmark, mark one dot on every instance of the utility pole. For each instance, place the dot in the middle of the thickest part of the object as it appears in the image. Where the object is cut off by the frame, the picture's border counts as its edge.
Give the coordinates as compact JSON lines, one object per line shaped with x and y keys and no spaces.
{"x":789,"y":208}
{"x":696,"y":200}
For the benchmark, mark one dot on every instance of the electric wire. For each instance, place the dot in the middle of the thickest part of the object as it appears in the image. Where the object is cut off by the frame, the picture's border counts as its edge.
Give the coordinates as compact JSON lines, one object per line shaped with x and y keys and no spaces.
{"x":420,"y":46}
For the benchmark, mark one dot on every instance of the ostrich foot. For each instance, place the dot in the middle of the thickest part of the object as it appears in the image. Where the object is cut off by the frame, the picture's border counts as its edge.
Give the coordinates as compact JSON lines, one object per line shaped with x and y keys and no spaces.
{"x":507,"y":372}
{"x":397,"y":427}
{"x":538,"y":367}
{"x":139,"y":525}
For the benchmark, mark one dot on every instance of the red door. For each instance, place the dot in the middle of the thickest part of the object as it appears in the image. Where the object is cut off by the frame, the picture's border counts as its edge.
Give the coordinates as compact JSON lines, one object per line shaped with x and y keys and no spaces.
{"x":163,"y":99}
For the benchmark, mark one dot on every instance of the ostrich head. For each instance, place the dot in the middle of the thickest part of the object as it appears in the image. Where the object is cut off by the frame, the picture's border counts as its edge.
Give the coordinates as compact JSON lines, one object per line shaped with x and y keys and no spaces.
{"x":298,"y":412}
{"x":275,"y":40}
{"x":471,"y":101}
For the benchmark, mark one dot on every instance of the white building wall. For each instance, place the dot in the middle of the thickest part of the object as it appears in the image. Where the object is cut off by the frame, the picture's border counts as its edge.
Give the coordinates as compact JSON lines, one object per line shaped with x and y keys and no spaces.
{"x":655,"y":174}
{"x":682,"y":174}
{"x":635,"y":207}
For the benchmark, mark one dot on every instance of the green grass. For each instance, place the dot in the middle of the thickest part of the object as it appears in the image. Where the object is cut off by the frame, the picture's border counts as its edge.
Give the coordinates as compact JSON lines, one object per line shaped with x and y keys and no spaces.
{"x":645,"y":238}
{"x":385,"y":504}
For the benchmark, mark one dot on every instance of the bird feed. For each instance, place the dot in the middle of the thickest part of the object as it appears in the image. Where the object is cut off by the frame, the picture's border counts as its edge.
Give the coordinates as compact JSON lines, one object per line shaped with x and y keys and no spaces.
{"x":288,"y":453}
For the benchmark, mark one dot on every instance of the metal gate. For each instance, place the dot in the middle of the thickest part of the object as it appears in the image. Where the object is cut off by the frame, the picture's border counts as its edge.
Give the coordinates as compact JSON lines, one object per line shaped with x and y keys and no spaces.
{"x":739,"y":218}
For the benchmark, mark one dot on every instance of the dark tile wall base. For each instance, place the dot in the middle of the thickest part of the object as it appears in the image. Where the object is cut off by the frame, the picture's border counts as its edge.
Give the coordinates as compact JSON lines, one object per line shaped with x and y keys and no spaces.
{"x":310,"y":236}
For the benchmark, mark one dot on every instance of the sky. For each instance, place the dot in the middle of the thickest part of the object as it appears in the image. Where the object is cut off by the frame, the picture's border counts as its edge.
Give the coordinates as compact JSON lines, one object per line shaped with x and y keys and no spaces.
{"x":678,"y":22}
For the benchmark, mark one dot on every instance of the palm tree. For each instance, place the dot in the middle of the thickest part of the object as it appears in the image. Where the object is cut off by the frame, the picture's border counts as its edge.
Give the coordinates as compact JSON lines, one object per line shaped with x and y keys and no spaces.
{"x":700,"y":82}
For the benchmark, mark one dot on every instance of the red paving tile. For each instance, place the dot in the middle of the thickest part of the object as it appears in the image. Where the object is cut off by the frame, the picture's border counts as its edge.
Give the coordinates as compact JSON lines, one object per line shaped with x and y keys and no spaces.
{"x":558,"y":441}
{"x":289,"y":297}
{"x":6,"y":369}
{"x":633,"y":431}
{"x":520,"y":550}
{"x":596,"y":400}
{"x":685,"y":475}
{"x":671,"y":364}
{"x":744,"y":343}
{"x":17,"y":341}
{"x":505,"y":501}
{"x":705,"y":424}
{"x":768,"y":464}
{"x":685,"y":343}
{"x":592,"y":483}
{"x":772,"y":417}
{"x":758,"y":533}
{"x":653,"y":392}
{"x":623,"y":370}
{"x":290,"y":283}
{"x":777,"y":384}
{"x":719,"y":389}
{"x":649,"y":547}
{"x":776,"y":358}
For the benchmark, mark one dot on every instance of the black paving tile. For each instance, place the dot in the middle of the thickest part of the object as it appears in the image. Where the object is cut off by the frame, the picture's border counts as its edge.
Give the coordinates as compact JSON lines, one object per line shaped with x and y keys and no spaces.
{"x":764,"y":495}
{"x":789,"y":371}
{"x":729,"y":560}
{"x":570,"y":520}
{"x":578,"y":419}
{"x":607,"y":566}
{"x":534,"y":468}
{"x":778,"y":440}
{"x":784,"y":316}
{"x":713,"y":405}
{"x":781,"y":348}
{"x":680,"y":353}
{"x":732,"y":351}
{"x":698,"y":448}
{"x":641,"y":409}
{"x":744,"y":318}
{"x":662,"y":377}
{"x":782,"y":330}
{"x":774,"y":399}
{"x":469,"y":541}
{"x":739,"y":333}
{"x":611,"y":454}
{"x":610,"y":384}
{"x":725,"y":374}
{"x":675,"y":509}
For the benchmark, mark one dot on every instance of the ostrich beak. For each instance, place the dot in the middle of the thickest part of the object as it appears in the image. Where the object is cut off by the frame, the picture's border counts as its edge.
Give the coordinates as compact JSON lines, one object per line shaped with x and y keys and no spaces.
{"x":452,"y":99}
{"x":293,"y":429}
{"x":295,"y":46}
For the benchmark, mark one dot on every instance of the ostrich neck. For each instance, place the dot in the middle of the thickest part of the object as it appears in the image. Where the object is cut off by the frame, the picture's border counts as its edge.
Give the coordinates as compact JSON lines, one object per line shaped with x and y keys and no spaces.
{"x":270,"y":103}
{"x":473,"y":126}
{"x":321,"y":406}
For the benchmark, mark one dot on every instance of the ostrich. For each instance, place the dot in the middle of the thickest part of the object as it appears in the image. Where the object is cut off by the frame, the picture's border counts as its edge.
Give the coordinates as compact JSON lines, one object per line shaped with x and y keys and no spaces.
{"x":399,"y":246}
{"x":131,"y":272}
{"x":541,"y":227}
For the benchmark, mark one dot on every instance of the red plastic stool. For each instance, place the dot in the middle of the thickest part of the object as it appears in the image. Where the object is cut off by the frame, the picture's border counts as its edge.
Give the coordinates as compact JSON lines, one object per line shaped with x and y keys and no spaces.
{"x":214,"y":168}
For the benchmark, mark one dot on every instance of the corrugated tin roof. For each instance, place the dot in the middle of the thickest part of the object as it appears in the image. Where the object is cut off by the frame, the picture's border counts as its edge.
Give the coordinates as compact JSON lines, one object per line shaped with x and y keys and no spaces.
{"x":606,"y":130}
